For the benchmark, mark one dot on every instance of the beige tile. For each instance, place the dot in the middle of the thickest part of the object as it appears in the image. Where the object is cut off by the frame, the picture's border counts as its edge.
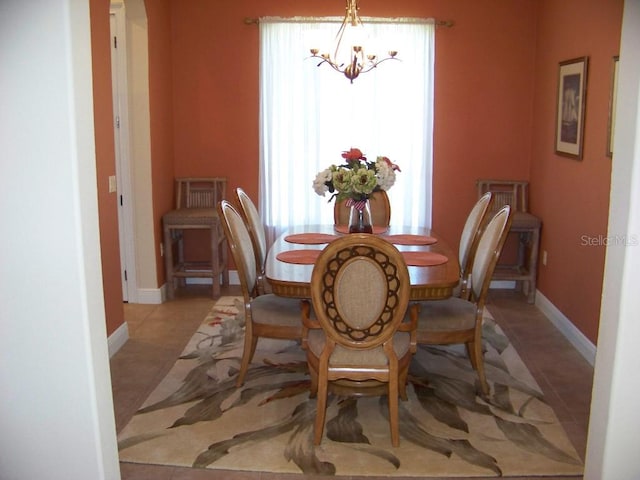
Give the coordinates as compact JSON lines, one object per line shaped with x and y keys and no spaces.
{"x":158,"y":334}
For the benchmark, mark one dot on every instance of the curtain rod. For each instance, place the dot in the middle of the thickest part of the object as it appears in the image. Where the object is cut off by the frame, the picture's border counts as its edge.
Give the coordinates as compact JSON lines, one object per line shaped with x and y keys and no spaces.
{"x":438,"y":23}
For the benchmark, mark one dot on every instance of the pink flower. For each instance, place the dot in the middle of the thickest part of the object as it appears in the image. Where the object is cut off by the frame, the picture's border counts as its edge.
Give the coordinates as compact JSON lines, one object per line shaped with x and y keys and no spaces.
{"x":391,"y":164}
{"x":353,"y":155}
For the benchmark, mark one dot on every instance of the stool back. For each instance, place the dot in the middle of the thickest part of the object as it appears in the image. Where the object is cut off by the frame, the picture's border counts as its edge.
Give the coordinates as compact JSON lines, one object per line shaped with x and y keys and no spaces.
{"x":200,"y":192}
{"x":514,"y":193}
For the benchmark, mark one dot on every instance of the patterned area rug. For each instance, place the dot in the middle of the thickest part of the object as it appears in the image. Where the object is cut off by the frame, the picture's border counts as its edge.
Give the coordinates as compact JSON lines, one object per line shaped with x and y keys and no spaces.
{"x":197,"y":417}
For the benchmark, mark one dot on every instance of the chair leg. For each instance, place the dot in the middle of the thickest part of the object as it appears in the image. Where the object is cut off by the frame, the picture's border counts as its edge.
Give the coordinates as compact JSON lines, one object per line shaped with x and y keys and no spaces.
{"x":393,"y":411}
{"x":250,"y":343}
{"x":313,"y":388}
{"x":474,"y":350}
{"x":321,"y":409}
{"x":402,"y":384}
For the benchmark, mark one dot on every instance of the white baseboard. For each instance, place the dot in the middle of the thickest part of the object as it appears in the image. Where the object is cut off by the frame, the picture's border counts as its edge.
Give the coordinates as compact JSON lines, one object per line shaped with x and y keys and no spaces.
{"x":117,"y":339}
{"x":567,"y":328}
{"x":151,"y":296}
{"x":233,"y":279}
{"x":503,"y":284}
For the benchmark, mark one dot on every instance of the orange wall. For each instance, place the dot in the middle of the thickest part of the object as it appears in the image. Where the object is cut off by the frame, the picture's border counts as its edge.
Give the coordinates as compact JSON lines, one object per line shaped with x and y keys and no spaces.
{"x":572,"y":196}
{"x":496,"y":76}
{"x":105,"y":163}
{"x":161,"y":114}
{"x":489,"y":51}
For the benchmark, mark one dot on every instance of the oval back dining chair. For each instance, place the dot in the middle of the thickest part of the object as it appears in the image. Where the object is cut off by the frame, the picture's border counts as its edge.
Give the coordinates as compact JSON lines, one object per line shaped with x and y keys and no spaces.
{"x":380,"y":210}
{"x":256,"y":230}
{"x":266,"y":315}
{"x":456,"y":320}
{"x":359,"y":344}
{"x":469,"y":241}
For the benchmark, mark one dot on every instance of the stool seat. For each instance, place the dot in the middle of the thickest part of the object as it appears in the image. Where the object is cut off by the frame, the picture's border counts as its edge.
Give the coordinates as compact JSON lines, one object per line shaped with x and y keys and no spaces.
{"x":196,"y":200}
{"x":525,"y":220}
{"x":191,"y":216}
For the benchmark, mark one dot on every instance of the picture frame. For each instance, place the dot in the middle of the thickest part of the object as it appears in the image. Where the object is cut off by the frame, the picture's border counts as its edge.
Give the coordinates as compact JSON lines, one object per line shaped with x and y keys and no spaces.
{"x":570,"y":108}
{"x":613,"y":96}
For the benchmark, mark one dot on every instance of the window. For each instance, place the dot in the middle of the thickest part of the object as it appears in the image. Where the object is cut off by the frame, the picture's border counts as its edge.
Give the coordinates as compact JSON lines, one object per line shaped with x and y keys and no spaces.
{"x":309,"y":115}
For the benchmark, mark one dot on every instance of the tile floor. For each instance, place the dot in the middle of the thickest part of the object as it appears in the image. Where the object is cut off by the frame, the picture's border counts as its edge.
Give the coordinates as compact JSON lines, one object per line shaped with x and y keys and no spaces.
{"x":158,"y":334}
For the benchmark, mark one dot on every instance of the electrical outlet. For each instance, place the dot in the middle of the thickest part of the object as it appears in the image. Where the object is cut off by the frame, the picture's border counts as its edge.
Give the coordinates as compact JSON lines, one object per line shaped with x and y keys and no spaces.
{"x":544,"y":258}
{"x":112,"y":184}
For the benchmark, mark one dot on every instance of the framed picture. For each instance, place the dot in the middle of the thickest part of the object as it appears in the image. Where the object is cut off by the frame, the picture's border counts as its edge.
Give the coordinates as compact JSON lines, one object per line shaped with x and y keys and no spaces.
{"x":613,"y":96}
{"x":572,"y":89}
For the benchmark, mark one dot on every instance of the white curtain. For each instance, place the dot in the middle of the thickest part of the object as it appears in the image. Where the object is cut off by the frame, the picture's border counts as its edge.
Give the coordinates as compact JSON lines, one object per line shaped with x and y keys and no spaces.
{"x":309,"y":115}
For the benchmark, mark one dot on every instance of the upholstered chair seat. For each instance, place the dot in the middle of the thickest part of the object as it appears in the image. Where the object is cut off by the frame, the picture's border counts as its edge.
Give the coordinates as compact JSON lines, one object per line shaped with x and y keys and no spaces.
{"x":457,"y":320}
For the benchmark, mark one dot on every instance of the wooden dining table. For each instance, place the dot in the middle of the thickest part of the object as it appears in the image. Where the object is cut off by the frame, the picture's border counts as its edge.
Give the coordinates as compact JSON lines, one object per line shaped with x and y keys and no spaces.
{"x":433,"y":265}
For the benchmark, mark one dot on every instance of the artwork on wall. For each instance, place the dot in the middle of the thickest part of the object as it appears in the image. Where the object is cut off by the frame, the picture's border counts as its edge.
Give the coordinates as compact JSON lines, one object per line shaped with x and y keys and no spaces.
{"x":572,"y":89}
{"x":613,"y":96}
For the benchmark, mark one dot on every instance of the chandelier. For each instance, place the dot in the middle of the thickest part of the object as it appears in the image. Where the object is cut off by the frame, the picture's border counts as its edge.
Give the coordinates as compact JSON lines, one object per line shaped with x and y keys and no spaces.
{"x":349,"y":57}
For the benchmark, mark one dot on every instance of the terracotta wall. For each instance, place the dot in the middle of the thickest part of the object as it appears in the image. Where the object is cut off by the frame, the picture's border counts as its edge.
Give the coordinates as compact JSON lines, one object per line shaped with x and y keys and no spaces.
{"x":494,"y":112}
{"x":490,"y":50}
{"x":572,"y":196}
{"x":105,"y":163}
{"x":161,"y":94}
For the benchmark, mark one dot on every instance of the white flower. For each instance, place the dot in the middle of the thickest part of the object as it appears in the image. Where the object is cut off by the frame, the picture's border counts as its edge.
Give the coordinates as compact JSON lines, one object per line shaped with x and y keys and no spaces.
{"x":320,"y":182}
{"x":386,"y":175}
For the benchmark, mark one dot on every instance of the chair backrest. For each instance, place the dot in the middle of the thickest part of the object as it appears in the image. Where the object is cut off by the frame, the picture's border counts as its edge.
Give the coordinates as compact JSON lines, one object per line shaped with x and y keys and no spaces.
{"x":488,"y":251}
{"x":471,"y":232}
{"x":194,"y":192}
{"x":360,"y":290}
{"x":514,"y":193}
{"x":254,"y":224}
{"x":380,"y":210}
{"x":241,"y":246}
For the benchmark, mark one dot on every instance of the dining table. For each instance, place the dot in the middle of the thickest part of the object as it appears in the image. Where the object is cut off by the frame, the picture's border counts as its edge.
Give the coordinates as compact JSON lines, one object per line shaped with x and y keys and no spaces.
{"x":433,"y":265}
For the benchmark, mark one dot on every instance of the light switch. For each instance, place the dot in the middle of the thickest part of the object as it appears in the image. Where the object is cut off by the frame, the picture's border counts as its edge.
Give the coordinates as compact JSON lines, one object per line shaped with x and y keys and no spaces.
{"x":112,"y":184}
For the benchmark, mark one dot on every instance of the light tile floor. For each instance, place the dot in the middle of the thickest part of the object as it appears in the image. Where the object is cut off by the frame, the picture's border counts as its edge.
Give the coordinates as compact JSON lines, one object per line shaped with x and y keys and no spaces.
{"x":159,"y":333}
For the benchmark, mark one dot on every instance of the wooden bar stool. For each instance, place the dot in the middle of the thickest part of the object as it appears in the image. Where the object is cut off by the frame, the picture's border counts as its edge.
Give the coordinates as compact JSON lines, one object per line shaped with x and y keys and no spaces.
{"x":196,"y":201}
{"x":527,"y":226}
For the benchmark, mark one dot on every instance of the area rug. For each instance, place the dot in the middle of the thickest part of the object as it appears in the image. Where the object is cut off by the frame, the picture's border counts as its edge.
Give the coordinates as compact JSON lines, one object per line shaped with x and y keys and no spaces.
{"x":196,"y":417}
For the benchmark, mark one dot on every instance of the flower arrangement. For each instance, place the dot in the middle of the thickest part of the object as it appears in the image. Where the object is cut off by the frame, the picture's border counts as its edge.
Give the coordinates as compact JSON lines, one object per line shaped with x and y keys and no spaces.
{"x":357,"y":178}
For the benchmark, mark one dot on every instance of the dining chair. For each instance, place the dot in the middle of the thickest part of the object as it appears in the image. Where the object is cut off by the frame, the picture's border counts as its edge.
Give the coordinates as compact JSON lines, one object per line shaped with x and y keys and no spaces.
{"x":380,"y":210}
{"x":469,"y":242}
{"x":456,"y":320}
{"x":254,"y":224}
{"x":358,"y":343}
{"x":268,"y":315}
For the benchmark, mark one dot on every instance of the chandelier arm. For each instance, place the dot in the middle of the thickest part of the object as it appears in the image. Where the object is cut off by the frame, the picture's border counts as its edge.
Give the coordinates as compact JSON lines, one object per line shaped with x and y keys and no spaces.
{"x":375,"y":64}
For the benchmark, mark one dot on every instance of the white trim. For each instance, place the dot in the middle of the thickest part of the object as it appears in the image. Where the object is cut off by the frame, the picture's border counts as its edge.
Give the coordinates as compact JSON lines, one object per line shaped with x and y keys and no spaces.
{"x":151,"y":296}
{"x":503,"y":284}
{"x":567,"y":328}
{"x":117,"y":339}
{"x":233,"y":279}
{"x":126,"y":218}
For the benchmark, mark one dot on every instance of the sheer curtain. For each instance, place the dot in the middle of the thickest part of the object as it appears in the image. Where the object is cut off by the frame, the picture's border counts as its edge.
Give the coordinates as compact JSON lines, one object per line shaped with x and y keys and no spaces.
{"x":309,"y":115}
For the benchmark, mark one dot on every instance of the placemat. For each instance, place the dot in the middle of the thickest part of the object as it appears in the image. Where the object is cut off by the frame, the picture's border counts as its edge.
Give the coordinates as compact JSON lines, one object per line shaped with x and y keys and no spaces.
{"x":424,"y":259}
{"x":345,"y":229}
{"x":302,"y":257}
{"x":410,"y":239}
{"x":310,"y":238}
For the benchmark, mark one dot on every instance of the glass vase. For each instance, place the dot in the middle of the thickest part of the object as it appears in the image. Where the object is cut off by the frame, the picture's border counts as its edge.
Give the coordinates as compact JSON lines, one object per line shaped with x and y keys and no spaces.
{"x":360,"y":217}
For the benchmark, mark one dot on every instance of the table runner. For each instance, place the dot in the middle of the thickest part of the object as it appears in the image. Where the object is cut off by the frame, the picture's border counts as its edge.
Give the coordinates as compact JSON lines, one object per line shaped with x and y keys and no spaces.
{"x":302,"y":257}
{"x":410,"y":239}
{"x":415,"y":259}
{"x":310,"y":238}
{"x":345,"y":229}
